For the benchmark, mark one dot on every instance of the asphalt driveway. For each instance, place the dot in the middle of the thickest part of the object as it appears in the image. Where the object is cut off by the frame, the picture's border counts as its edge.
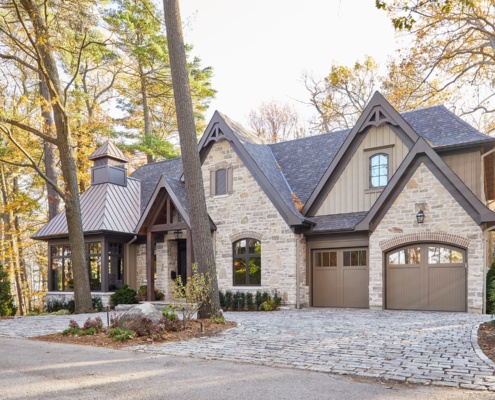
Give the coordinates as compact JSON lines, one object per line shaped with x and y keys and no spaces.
{"x":434,"y":348}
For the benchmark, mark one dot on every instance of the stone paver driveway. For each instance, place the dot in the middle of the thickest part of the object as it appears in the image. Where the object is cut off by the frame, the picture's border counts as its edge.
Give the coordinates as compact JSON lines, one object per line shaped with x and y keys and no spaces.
{"x":418,"y":347}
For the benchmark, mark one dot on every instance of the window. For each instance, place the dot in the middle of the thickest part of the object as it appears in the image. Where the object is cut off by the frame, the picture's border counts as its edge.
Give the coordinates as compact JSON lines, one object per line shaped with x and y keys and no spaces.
{"x":247,"y":262}
{"x":61,"y":265}
{"x":444,"y":255}
{"x":408,"y":256}
{"x":355,"y":258}
{"x":378,"y":170}
{"x":221,"y":182}
{"x":325,"y":259}
{"x":115,"y":265}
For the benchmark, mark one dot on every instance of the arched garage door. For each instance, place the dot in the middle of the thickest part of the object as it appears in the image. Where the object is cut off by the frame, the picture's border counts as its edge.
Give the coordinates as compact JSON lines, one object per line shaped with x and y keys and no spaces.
{"x":426,"y":276}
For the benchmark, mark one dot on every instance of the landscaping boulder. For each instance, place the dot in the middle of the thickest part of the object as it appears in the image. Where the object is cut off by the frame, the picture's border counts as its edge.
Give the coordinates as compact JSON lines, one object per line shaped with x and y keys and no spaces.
{"x":134,"y":317}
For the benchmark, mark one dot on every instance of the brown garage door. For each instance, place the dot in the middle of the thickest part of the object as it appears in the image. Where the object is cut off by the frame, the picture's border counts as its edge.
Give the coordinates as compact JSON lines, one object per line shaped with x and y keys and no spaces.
{"x":426,"y":277}
{"x":340,"y":278}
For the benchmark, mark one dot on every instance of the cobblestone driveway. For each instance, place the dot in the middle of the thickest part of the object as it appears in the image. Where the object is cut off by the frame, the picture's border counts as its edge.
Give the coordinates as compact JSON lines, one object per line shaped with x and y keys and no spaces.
{"x":418,"y":347}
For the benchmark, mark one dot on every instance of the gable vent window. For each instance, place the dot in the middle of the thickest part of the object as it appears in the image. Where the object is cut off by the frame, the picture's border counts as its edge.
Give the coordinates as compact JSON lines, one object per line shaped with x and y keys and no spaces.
{"x":221,"y":182}
{"x":378,"y":170}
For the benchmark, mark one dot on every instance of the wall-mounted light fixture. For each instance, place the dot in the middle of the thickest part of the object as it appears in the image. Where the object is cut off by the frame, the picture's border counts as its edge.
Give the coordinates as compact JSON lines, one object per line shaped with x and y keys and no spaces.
{"x":420,"y":217}
{"x":178,"y":234}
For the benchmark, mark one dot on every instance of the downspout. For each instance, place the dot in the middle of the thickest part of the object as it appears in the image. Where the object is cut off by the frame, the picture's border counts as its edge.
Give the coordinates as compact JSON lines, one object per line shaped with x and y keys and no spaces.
{"x":298,"y":247}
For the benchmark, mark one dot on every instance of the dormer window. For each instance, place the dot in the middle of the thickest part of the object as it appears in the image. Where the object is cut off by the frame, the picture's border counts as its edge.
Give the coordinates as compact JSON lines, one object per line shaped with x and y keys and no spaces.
{"x":379,"y":170}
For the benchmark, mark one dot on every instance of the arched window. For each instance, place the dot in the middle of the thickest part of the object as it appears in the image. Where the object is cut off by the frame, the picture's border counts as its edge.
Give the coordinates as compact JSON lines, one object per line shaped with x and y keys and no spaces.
{"x":247,"y":262}
{"x":378,"y":170}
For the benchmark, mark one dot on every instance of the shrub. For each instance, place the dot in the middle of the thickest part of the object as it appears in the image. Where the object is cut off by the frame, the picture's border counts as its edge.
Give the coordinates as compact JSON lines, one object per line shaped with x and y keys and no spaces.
{"x":88,"y":332}
{"x":61,"y":312}
{"x":97,"y":303}
{"x":7,"y":307}
{"x":490,"y":275}
{"x":250,"y":301}
{"x":114,"y":320}
{"x":120,"y":335}
{"x":277,"y":299}
{"x":170,"y":312}
{"x":229,"y":300}
{"x":54,"y":305}
{"x":221,"y":296}
{"x":71,"y":331}
{"x":218,"y":318}
{"x":194,"y":293}
{"x":95,"y":323}
{"x":258,"y":299}
{"x":125,"y":295}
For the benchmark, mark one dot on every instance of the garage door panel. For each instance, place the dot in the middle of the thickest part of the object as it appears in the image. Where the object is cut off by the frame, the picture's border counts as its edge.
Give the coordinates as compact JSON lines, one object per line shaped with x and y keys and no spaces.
{"x":426,"y":276}
{"x":356,"y":288}
{"x":340,"y":278}
{"x":446,"y":288}
{"x":402,"y":288}
{"x":326,"y":289}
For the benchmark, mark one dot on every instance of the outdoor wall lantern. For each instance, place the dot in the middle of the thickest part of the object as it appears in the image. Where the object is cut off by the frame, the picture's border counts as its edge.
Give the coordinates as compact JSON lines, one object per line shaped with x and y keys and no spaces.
{"x":178,"y":234}
{"x":420,"y":217}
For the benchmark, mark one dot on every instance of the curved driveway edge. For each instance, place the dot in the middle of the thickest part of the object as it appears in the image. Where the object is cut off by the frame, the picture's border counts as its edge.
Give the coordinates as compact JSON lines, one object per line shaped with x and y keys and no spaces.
{"x":408,"y":346}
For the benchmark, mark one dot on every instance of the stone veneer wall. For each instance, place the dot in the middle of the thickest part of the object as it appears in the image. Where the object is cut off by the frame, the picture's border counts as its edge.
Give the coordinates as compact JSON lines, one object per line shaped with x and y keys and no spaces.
{"x":245,"y":213}
{"x":445,"y":220}
{"x":166,"y":261}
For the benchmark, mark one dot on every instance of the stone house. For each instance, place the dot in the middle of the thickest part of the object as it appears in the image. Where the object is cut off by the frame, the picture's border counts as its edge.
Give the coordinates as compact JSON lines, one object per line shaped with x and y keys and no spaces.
{"x":391,"y":214}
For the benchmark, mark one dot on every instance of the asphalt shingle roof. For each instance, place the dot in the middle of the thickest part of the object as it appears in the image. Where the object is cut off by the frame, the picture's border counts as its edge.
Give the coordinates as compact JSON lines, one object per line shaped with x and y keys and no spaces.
{"x":440,"y":127}
{"x":337,"y":222}
{"x":149,"y":175}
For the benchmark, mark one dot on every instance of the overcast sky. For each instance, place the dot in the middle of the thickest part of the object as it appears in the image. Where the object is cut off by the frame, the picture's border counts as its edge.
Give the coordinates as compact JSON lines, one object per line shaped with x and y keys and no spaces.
{"x":259,"y":49}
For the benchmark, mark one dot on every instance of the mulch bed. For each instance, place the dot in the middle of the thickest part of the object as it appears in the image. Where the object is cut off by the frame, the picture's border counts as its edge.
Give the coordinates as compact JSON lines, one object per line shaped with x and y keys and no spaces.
{"x":486,"y":339}
{"x":103,"y":340}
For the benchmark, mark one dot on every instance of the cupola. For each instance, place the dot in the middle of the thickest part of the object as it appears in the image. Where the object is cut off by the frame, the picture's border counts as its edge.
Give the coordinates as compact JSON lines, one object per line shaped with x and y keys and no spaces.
{"x":110,"y":165}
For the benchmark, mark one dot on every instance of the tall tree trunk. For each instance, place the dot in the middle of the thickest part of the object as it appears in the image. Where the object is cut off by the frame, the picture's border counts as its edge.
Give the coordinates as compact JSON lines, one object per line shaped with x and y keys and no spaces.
{"x":195,"y":193}
{"x":48,"y":66}
{"x":49,"y":150}
{"x":10,"y":259}
{"x":26,"y":287}
{"x":146,"y":110}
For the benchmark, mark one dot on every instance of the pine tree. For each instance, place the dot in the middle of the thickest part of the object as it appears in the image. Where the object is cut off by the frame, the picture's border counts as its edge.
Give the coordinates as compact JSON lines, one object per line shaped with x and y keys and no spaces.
{"x":7,"y":306}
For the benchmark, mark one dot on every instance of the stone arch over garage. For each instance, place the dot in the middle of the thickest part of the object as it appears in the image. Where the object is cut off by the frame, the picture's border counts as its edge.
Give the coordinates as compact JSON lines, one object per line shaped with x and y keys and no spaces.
{"x":438,"y":237}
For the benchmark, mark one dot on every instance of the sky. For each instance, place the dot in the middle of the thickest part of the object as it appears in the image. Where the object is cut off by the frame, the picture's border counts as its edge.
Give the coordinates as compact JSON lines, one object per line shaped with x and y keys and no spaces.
{"x":259,"y":49}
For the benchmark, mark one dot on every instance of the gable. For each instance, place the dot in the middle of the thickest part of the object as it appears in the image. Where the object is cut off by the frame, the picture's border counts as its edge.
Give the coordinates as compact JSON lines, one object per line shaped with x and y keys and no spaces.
{"x":351,"y":192}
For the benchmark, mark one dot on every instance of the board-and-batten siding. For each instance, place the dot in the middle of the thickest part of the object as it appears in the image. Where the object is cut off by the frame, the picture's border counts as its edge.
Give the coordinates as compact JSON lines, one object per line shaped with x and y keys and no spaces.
{"x":351,"y":191}
{"x":467,"y":166}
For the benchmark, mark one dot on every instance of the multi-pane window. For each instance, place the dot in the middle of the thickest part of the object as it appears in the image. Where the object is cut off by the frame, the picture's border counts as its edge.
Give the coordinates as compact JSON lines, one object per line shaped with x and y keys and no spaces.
{"x":444,"y":255}
{"x":378,"y":170}
{"x":247,"y":262}
{"x":325,"y":259}
{"x":354,"y":258}
{"x":61,"y":266}
{"x":408,"y":256}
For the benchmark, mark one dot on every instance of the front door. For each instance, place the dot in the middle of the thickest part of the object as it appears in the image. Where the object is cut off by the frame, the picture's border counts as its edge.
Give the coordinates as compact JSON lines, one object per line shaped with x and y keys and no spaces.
{"x":340,"y":278}
{"x":182,"y":260}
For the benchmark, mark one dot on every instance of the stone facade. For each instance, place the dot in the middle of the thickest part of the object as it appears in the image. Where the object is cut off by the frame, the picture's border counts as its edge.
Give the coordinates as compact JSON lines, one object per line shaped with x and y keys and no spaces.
{"x":446,"y":221}
{"x":248,"y":213}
